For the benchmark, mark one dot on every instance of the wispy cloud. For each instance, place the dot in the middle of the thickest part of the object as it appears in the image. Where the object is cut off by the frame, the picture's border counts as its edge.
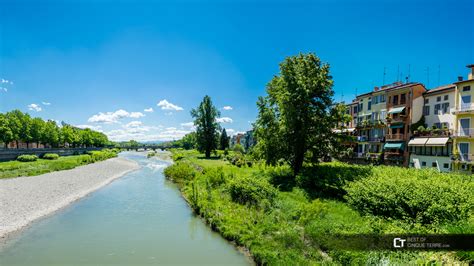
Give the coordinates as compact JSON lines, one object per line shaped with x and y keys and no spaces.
{"x":113,"y":117}
{"x":165,"y":105}
{"x":6,"y":81}
{"x":136,"y":130}
{"x":34,"y":107}
{"x":148,"y":110}
{"x":46,"y":103}
{"x":96,"y":128}
{"x":3,"y":89}
{"x":224,"y":120}
{"x":227,"y":108}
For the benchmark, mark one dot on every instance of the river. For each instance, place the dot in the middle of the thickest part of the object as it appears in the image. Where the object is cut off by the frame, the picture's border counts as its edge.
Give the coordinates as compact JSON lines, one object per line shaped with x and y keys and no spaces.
{"x":138,"y":219}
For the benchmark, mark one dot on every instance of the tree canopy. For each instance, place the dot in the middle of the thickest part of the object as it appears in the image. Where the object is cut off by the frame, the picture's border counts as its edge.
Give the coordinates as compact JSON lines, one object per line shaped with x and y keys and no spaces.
{"x":207,"y":127}
{"x":297,"y":115}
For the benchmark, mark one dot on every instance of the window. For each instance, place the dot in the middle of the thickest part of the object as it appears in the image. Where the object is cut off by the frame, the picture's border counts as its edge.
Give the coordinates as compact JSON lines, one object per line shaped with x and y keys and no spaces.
{"x":369,"y":105}
{"x":437,"y":108}
{"x":403,"y":99}
{"x":427,"y":101}
{"x":466,"y":88}
{"x":437,"y":125}
{"x":426,"y":110}
{"x":355,"y":109}
{"x":395,"y":99}
{"x":438,"y":99}
{"x":361,"y":107}
{"x":446,"y":97}
{"x":423,"y":163}
{"x":446,"y":166}
{"x":376,"y":99}
{"x":382,"y":98}
{"x":434,"y":164}
{"x":445,"y":108}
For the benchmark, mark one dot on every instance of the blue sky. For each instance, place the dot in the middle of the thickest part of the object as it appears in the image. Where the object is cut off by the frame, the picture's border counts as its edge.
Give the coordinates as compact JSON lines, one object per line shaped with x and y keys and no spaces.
{"x":102,"y":63}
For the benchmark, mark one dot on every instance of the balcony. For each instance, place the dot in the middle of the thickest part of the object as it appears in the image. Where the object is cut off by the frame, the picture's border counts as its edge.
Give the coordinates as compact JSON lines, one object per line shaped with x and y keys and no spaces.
{"x":376,"y":139}
{"x":464,"y":108}
{"x":463,"y":157}
{"x":430,"y":132}
{"x":395,"y":137}
{"x":464,"y":132}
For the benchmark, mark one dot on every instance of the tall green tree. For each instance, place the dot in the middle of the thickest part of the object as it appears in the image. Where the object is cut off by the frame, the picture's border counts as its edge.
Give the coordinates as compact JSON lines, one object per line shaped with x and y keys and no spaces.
{"x":6,"y":134}
{"x":207,"y":127}
{"x":224,"y":140}
{"x":294,"y":119}
{"x":67,"y":134}
{"x":51,"y":133}
{"x":188,"y":141}
{"x":20,"y":125}
{"x":37,"y":130}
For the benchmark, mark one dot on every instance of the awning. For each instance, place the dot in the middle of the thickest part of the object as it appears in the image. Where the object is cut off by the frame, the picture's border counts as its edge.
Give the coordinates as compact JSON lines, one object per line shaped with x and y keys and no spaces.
{"x":393,"y":145}
{"x":418,"y":142}
{"x":349,"y":130}
{"x":396,"y":110}
{"x":437,"y":141}
{"x":396,"y":126}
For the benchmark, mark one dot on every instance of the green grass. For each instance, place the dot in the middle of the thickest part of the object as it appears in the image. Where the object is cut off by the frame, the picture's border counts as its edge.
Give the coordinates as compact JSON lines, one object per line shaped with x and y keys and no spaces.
{"x":293,"y":226}
{"x":41,"y":166}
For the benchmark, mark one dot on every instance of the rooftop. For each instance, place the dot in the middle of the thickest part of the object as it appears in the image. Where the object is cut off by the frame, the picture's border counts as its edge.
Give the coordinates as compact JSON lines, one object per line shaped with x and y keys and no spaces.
{"x":443,"y":88}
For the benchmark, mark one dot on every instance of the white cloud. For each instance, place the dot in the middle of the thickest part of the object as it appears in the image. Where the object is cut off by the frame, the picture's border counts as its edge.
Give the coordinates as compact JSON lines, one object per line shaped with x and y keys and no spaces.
{"x":188,"y":124}
{"x":230,"y":131}
{"x":34,"y":107}
{"x":5,"y":81}
{"x":3,"y":89}
{"x":165,"y":105}
{"x":136,"y":130}
{"x":96,"y":128}
{"x":224,"y":120}
{"x":148,"y":110}
{"x":136,"y":115}
{"x":46,"y":103}
{"x":113,"y":117}
{"x":227,"y":108}
{"x":134,"y":124}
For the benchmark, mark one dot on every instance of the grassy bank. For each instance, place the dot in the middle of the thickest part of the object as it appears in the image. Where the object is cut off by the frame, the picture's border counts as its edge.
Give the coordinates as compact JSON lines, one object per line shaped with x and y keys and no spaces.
{"x":42,"y":166}
{"x":289,"y":221}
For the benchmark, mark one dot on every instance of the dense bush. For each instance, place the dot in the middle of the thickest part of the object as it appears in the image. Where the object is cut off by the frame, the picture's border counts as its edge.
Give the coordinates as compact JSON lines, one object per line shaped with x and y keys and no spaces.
{"x":180,"y":172}
{"x":215,"y":176}
{"x":51,"y":156}
{"x":327,"y":180}
{"x":27,"y":158}
{"x":422,"y":196}
{"x":251,"y":189}
{"x":150,"y":154}
{"x":281,"y":177}
{"x":101,"y":155}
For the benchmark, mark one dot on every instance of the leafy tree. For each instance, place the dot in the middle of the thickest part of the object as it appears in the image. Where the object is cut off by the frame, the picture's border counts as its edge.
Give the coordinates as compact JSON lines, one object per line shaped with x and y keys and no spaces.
{"x":15,"y":126}
{"x":37,"y":129}
{"x":20,"y":126}
{"x":224,"y":140}
{"x":6,"y":134}
{"x":67,"y":134}
{"x":51,"y":133}
{"x":188,"y":141}
{"x":86,"y":137}
{"x":294,"y":119}
{"x":207,"y":128}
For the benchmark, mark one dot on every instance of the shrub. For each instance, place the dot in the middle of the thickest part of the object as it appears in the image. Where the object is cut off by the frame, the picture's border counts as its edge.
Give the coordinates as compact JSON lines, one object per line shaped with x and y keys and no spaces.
{"x":423,"y":196}
{"x":51,"y":156}
{"x":327,"y":180}
{"x":150,"y":154}
{"x":27,"y":158}
{"x":216,"y":176}
{"x":281,"y":177}
{"x":238,"y":148}
{"x":177,"y":156}
{"x":251,"y":190}
{"x":180,"y":172}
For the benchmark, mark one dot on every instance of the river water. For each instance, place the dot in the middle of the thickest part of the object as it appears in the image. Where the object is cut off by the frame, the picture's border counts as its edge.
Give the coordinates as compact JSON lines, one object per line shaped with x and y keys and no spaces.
{"x":138,"y":219}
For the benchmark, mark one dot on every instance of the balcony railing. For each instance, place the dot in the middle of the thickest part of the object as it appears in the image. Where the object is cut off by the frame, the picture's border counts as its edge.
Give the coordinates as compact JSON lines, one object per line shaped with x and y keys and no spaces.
{"x":464,"y":132}
{"x":433,"y":133}
{"x":463,"y":157}
{"x":465,"y":107}
{"x":395,"y":136}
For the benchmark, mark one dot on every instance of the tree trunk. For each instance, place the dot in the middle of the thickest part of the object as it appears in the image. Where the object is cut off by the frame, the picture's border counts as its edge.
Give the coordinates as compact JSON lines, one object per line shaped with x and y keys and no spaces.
{"x":27,"y":145}
{"x":208,"y":153}
{"x":17,"y":146}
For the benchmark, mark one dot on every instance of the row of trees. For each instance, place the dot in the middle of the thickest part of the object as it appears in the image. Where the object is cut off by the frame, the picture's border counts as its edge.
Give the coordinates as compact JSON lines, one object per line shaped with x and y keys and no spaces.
{"x":18,"y":126}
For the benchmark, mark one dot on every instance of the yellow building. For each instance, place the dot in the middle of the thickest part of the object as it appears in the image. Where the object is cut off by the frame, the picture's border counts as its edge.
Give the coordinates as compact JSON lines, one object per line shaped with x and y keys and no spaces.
{"x":463,"y":159}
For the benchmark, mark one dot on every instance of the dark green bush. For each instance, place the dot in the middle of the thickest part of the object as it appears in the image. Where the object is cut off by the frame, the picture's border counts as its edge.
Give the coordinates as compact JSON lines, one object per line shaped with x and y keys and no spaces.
{"x":27,"y":158}
{"x":216,"y":176}
{"x":422,"y":196}
{"x":180,"y":172}
{"x":281,"y":177}
{"x":51,"y":156}
{"x":251,"y":190}
{"x":327,"y":180}
{"x":150,"y":154}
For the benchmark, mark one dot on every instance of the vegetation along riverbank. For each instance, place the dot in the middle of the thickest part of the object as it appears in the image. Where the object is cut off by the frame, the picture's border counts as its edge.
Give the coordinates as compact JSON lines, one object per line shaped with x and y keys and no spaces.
{"x":293,"y":222}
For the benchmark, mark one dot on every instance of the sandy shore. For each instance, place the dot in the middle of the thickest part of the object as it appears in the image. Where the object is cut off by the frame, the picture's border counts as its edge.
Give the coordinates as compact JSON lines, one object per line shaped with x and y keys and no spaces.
{"x":25,"y":199}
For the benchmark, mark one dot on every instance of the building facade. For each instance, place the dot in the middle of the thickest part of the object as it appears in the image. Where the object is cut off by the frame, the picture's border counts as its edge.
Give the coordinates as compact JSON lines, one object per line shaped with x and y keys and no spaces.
{"x":463,"y":148}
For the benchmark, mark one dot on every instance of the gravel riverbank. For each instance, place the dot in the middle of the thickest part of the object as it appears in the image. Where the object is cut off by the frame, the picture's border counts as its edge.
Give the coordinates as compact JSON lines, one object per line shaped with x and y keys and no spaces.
{"x":25,"y":199}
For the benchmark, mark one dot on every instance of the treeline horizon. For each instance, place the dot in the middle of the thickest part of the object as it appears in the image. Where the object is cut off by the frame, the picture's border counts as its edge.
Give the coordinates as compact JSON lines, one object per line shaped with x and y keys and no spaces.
{"x":17,"y":126}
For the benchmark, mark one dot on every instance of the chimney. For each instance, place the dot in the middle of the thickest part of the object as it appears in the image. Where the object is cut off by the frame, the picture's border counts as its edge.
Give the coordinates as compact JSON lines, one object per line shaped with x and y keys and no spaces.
{"x":459,"y":78}
{"x":376,"y":88}
{"x":470,"y":76}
